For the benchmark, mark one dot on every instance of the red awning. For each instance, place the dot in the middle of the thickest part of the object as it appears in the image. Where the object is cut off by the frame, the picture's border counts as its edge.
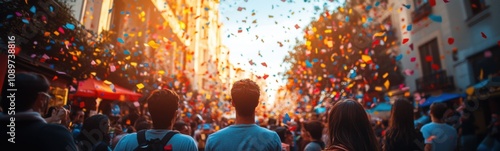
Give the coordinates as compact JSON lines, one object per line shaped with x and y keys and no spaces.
{"x":98,"y":89}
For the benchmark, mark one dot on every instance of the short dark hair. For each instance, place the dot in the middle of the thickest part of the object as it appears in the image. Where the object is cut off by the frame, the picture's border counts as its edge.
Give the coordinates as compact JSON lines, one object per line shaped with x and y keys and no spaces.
{"x":438,"y":110}
{"x":163,"y":105}
{"x":179,"y":125}
{"x":315,"y":128}
{"x":245,"y":97}
{"x":282,"y":131}
{"x":28,"y":86}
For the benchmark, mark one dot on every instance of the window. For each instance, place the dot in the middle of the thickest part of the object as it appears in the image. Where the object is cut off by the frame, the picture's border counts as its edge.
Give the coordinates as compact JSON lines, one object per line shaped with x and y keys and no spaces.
{"x":422,"y":9}
{"x":484,"y":61}
{"x":477,"y":6}
{"x":429,"y":57}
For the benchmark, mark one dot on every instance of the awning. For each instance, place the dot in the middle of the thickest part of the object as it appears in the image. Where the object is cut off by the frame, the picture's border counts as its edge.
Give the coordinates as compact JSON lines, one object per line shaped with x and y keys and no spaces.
{"x":98,"y":89}
{"x":493,"y":82}
{"x":441,"y":98}
{"x":382,"y":110}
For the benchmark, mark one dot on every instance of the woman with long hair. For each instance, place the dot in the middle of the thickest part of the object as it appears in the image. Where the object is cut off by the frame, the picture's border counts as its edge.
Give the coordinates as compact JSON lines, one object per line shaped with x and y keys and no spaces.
{"x":94,"y":135}
{"x":349,"y":128}
{"x":401,"y":134}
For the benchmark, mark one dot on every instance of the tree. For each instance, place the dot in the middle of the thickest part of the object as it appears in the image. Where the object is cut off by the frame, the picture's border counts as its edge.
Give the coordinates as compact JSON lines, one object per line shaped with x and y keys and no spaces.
{"x":346,"y":54}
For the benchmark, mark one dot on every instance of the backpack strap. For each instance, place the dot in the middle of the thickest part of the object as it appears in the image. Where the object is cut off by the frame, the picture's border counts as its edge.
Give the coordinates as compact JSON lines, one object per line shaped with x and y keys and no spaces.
{"x":141,"y":137}
{"x":167,"y":137}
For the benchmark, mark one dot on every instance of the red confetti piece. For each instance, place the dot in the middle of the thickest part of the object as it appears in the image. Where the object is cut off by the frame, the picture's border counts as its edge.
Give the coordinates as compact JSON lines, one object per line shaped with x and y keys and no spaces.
{"x":297,"y":26}
{"x":413,"y":59}
{"x":432,"y":2}
{"x":264,"y":64}
{"x":499,"y":43}
{"x":405,"y":40}
{"x":446,"y":1}
{"x":484,"y":35}
{"x":428,"y":58}
{"x":451,"y":41}
{"x":411,"y":46}
{"x":265,"y":76}
{"x":435,"y":67}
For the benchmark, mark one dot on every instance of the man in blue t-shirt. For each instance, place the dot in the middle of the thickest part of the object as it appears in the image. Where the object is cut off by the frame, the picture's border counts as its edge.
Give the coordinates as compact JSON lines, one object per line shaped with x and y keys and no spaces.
{"x":438,"y":135}
{"x":244,"y":134}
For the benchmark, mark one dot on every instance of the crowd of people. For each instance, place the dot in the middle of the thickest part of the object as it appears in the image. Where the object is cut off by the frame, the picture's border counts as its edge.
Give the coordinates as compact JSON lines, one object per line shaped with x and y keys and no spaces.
{"x":345,"y":127}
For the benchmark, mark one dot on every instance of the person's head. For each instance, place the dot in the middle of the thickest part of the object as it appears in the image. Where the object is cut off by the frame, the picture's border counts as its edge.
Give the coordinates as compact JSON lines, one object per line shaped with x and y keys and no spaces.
{"x":31,"y":93}
{"x":163,"y":105}
{"x":94,"y":129}
{"x":401,"y":121}
{"x":182,"y":127}
{"x":285,"y":135}
{"x":77,"y":116}
{"x":312,"y":130}
{"x":245,"y":97}
{"x":438,"y":110}
{"x":348,"y":125}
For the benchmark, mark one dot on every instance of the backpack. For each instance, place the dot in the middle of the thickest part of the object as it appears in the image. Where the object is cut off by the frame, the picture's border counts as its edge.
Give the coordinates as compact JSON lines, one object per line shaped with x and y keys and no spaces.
{"x":154,"y":144}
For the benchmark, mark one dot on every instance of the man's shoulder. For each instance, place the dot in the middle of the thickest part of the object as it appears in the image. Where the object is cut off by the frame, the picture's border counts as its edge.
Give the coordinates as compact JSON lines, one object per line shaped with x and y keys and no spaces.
{"x":183,"y":137}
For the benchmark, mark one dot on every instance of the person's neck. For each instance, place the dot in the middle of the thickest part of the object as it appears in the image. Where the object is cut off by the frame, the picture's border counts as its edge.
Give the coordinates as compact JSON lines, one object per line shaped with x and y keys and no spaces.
{"x":245,"y":119}
{"x":435,"y":120}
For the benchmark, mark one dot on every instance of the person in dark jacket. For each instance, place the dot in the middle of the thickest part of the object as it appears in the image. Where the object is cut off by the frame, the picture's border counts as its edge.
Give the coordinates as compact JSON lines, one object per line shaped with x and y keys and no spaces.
{"x":401,"y":134}
{"x":24,"y":127}
{"x":94,"y":135}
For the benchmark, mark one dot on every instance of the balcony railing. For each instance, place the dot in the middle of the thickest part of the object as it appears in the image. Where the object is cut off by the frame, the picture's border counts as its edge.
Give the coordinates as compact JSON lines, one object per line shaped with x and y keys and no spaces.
{"x":435,"y":81}
{"x":421,"y":12}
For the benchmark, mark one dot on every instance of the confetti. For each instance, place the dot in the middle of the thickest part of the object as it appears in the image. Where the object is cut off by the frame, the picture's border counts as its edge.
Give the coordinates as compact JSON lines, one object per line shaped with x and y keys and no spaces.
{"x":33,"y":9}
{"x":446,"y":1}
{"x":399,"y":57}
{"x":25,"y":21}
{"x":409,"y":27}
{"x":408,"y":72}
{"x":70,"y":26}
{"x":405,"y":40}
{"x":435,"y":18}
{"x":407,"y":6}
{"x":484,"y":35}
{"x":120,"y":40}
{"x":263,"y":64}
{"x":265,"y":76}
{"x":432,"y":2}
{"x":297,"y":26}
{"x":411,"y":46}
{"x":451,"y":40}
{"x":413,"y":59}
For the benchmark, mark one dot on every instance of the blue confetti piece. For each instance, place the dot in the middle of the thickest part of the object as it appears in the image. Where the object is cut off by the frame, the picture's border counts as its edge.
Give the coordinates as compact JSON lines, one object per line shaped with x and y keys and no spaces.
{"x":315,"y":60}
{"x":48,"y":47}
{"x":52,"y":42}
{"x":407,"y":6}
{"x":399,"y":57}
{"x":308,"y":64}
{"x":409,"y":27}
{"x":52,"y":66}
{"x":347,"y":19}
{"x":25,"y":21}
{"x":120,"y":40}
{"x":81,"y":48}
{"x":368,"y":7}
{"x":376,"y":66}
{"x":51,"y":9}
{"x":125,"y":35}
{"x":122,"y":13}
{"x":33,"y":9}
{"x":377,"y":3}
{"x":207,"y":9}
{"x":126,"y":52}
{"x":136,"y":54}
{"x":146,"y":64}
{"x":435,"y":18}
{"x":9,"y":16}
{"x":70,"y":26}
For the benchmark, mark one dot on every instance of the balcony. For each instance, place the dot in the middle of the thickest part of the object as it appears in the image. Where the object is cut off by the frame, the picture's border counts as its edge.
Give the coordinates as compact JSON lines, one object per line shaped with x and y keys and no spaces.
{"x":421,"y":12}
{"x":436,"y":81}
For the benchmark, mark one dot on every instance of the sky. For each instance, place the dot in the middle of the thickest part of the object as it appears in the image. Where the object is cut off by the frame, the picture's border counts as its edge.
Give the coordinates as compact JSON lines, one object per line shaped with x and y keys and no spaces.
{"x":267,"y":23}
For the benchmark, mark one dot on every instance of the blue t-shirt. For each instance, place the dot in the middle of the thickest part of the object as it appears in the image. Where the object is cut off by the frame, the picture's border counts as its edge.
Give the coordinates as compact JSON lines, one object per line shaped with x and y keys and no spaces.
{"x":445,"y":136}
{"x":313,"y":146}
{"x":179,"y":142}
{"x":243,"y":137}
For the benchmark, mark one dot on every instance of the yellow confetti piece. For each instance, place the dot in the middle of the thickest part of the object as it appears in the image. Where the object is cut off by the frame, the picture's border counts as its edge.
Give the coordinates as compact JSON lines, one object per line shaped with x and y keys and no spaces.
{"x":127,"y":58}
{"x":56,"y":33}
{"x":385,"y":75}
{"x":377,"y":88}
{"x":379,"y":34}
{"x":387,"y":84}
{"x":98,"y":61}
{"x":153,"y":44}
{"x":133,"y":64}
{"x":161,"y":72}
{"x":108,"y":82}
{"x":320,"y":78}
{"x":328,"y":31}
{"x":46,"y":34}
{"x":93,"y":73}
{"x":363,"y":65}
{"x":366,"y":58}
{"x":470,"y":90}
{"x":140,"y":86}
{"x":323,"y":65}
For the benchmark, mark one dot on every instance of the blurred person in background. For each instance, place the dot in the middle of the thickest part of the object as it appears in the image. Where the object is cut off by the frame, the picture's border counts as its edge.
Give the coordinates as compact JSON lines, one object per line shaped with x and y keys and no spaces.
{"x":32,"y":131}
{"x":438,"y":135}
{"x":286,"y":138}
{"x":312,"y":131}
{"x":94,"y":135}
{"x":349,"y":128}
{"x":401,"y":134}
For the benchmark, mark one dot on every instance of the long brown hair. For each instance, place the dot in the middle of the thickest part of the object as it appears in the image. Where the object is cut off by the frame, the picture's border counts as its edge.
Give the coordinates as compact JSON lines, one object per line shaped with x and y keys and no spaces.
{"x":348,"y":126}
{"x":401,"y":126}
